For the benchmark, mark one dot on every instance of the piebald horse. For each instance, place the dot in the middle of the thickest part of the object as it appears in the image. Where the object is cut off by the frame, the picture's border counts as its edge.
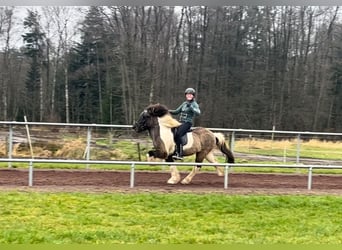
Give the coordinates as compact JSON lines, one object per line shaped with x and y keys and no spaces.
{"x":200,"y":141}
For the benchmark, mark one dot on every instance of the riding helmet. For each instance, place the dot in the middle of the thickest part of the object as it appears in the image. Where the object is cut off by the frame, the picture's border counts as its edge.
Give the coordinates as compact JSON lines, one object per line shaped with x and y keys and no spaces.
{"x":190,"y":91}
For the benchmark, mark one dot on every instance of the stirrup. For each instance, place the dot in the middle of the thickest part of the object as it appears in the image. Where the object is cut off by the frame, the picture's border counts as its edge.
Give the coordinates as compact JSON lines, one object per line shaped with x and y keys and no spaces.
{"x":177,"y":157}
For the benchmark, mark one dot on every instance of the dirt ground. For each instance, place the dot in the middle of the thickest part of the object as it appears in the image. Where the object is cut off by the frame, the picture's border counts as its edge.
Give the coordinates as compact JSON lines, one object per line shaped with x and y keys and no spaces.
{"x":148,"y":181}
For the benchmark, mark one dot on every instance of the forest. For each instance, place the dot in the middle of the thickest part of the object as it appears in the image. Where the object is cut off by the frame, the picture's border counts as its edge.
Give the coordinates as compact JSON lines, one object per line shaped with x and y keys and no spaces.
{"x":253,"y":67}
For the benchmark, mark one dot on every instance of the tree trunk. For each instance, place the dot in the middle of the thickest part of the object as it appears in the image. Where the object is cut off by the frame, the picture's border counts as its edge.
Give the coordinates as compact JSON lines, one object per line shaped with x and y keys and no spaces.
{"x":66,"y":92}
{"x":5,"y":73}
{"x":324,"y":79}
{"x":41,"y":93}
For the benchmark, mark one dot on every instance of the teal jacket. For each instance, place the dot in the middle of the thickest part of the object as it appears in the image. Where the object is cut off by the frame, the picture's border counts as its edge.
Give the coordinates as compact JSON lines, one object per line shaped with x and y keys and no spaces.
{"x":187,"y":111}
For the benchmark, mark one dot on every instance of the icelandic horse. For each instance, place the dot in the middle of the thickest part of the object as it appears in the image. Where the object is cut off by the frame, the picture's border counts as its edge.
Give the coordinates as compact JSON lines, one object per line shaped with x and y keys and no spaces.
{"x":200,"y":141}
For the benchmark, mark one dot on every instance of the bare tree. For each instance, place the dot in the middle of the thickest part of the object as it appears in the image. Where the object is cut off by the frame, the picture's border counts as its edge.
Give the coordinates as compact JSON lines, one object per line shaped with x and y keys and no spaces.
{"x":60,"y":28}
{"x":326,"y":55}
{"x":6,"y":14}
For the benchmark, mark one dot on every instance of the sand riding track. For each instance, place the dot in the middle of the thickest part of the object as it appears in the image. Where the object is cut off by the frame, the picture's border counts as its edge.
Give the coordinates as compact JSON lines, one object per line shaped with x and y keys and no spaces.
{"x":113,"y":181}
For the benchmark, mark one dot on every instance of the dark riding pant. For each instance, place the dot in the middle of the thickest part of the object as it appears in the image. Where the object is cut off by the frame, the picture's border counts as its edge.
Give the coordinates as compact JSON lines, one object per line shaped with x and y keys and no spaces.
{"x":182,"y":130}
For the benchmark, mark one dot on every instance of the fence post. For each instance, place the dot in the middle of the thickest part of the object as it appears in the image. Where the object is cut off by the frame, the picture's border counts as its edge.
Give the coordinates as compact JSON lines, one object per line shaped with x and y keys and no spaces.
{"x":298,"y":148}
{"x":30,"y":181}
{"x":310,"y":178}
{"x":88,"y":145}
{"x":272,"y":136}
{"x":232,"y":142}
{"x":226,"y":171}
{"x":10,"y":145}
{"x":132,"y":176}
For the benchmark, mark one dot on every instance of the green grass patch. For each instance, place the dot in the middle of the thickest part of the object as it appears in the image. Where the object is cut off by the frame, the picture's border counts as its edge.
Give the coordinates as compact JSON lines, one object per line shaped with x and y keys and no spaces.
{"x":28,"y":217}
{"x":316,"y":149}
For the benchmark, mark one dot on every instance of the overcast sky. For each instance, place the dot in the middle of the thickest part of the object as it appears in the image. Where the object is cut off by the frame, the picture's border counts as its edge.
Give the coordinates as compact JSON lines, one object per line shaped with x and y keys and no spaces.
{"x":21,"y":12}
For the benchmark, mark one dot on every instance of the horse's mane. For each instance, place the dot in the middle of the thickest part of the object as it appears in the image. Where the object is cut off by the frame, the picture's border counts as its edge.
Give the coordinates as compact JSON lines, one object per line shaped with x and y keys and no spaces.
{"x":163,"y":113}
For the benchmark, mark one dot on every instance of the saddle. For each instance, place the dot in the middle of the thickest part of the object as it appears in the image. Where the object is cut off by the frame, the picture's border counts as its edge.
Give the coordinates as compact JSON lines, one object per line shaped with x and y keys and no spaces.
{"x":184,"y":138}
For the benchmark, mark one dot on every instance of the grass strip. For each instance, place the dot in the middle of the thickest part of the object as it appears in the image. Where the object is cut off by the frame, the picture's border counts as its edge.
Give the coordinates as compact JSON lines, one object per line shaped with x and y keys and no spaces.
{"x":60,"y":218}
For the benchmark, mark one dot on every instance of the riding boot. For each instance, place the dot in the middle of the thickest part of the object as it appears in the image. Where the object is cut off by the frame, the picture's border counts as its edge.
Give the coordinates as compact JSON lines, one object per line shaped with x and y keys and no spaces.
{"x":179,"y":153}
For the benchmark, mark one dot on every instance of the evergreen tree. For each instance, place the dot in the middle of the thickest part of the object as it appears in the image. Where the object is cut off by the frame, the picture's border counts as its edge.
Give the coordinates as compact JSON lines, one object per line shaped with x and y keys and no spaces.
{"x":95,"y":96}
{"x":34,"y":44}
{"x":86,"y":69}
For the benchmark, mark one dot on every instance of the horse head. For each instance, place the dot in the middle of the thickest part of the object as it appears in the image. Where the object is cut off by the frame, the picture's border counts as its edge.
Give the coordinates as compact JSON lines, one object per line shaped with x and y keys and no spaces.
{"x":158,"y":110}
{"x":148,"y":118}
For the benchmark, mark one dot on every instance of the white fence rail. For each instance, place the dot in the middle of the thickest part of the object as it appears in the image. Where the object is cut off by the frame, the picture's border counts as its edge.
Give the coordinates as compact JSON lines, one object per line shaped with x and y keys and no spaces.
{"x":133,"y":164}
{"x":232,"y":132}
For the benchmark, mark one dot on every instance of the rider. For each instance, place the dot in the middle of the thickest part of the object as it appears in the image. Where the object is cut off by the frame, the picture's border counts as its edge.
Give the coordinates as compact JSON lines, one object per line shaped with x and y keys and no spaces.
{"x":188,"y":109}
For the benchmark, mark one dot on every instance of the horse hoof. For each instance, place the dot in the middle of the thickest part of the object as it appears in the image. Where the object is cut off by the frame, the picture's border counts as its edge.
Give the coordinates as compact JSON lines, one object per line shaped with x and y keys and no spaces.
{"x":220,"y":171}
{"x":185,"y":182}
{"x":172,"y":181}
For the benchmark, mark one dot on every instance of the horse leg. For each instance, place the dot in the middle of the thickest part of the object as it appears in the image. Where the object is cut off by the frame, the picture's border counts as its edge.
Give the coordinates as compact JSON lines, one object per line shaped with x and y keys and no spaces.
{"x":211,"y":158}
{"x":189,"y":177}
{"x":199,"y":158}
{"x":175,"y":176}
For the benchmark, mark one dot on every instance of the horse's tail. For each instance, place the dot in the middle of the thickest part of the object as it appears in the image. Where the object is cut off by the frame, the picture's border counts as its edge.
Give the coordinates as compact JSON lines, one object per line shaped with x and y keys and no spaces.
{"x":221,"y":144}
